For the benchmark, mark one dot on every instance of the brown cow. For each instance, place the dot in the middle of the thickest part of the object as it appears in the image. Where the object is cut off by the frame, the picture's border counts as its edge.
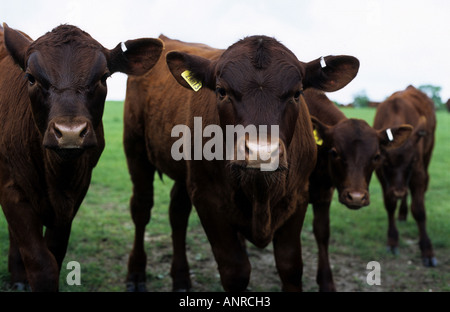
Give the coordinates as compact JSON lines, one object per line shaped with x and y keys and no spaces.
{"x":407,"y":166}
{"x":349,"y":150}
{"x":52,"y":96}
{"x":256,"y":81}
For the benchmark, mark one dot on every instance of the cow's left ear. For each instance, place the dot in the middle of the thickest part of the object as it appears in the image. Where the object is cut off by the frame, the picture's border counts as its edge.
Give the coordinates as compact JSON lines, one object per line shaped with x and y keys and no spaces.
{"x":191,"y":71}
{"x":321,"y":131}
{"x":17,"y":45}
{"x":330,"y":73}
{"x":135,"y":57}
{"x":420,"y":130}
{"x":394,"y":137}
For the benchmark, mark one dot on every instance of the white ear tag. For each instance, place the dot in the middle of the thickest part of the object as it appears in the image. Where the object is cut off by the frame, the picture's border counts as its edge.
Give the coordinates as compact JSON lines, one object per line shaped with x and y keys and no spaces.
{"x":389,"y":134}
{"x":322,"y":62}
{"x":123,"y":47}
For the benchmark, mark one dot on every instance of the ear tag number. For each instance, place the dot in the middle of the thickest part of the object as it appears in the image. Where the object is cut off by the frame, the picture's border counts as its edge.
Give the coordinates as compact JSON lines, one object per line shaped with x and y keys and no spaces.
{"x":318,"y":139}
{"x":194,"y":83}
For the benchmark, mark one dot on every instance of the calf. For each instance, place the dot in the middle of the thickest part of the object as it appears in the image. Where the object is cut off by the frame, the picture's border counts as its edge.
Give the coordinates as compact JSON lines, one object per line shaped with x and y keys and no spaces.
{"x":406,"y":167}
{"x":51,"y":105}
{"x":349,"y":150}
{"x":256,"y":81}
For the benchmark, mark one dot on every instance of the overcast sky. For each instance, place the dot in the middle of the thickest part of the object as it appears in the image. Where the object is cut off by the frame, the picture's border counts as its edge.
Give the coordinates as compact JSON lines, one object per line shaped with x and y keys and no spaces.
{"x":397,"y":42}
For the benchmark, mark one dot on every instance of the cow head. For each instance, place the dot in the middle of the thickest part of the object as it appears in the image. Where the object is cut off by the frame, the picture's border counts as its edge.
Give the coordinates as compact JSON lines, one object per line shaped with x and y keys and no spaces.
{"x":66,"y":72}
{"x":258,"y":81}
{"x":397,"y":162}
{"x":354,"y":150}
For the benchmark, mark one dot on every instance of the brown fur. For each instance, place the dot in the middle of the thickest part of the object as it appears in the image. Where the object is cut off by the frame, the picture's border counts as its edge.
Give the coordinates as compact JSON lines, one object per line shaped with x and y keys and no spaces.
{"x":407,"y":166}
{"x":252,"y":79}
{"x":46,"y":165}
{"x":349,"y":153}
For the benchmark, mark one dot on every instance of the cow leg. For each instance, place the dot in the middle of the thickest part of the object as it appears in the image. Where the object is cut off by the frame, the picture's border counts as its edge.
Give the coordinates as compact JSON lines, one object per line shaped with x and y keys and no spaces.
{"x":288,"y":251}
{"x":229,"y":251}
{"x":26,"y":232}
{"x":418,"y":185}
{"x":57,"y":240}
{"x":179,"y":211}
{"x":403,"y":211}
{"x":232,"y":261}
{"x":321,"y":227}
{"x":15,"y":266}
{"x":390,"y":203}
{"x":141,"y":202}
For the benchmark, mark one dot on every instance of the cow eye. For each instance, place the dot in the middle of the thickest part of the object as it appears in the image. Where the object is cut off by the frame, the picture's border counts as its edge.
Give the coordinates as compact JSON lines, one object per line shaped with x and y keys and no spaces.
{"x":297,"y":94}
{"x":334,"y":153}
{"x":221,"y":92}
{"x":31,"y":79}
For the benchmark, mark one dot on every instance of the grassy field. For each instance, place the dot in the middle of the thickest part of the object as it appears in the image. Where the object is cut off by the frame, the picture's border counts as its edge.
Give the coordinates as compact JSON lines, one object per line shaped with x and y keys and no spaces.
{"x":102,"y":233}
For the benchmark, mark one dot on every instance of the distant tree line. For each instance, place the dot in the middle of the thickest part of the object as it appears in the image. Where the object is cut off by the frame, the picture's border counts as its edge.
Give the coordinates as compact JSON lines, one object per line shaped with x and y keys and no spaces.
{"x":362,"y":100}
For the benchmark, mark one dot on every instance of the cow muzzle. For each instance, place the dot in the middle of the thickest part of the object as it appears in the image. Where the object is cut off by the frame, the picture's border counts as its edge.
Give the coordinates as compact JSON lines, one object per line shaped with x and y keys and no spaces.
{"x":265,"y":155}
{"x":64,"y":134}
{"x":399,"y":192}
{"x":354,"y":199}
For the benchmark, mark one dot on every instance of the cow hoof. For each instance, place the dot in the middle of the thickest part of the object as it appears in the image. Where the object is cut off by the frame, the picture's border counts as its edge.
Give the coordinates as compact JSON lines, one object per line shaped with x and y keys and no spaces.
{"x":429,"y":262}
{"x":19,"y":286}
{"x":180,"y":290}
{"x":136,"y":287}
{"x":393,"y":250}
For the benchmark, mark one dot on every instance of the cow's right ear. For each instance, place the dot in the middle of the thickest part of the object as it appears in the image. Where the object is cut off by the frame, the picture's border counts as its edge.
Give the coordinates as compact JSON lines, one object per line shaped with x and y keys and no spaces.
{"x":17,"y":45}
{"x":394,"y":137}
{"x":191,"y":71}
{"x":321,"y":132}
{"x":330,"y":73}
{"x":135,"y":57}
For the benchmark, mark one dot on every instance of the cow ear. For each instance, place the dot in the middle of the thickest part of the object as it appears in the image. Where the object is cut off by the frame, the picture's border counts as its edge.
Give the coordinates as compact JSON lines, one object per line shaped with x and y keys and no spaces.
{"x":420,"y":130}
{"x":17,"y":45}
{"x":394,"y":137}
{"x":191,"y":71}
{"x":135,"y":57}
{"x":321,"y":132}
{"x":330,"y":73}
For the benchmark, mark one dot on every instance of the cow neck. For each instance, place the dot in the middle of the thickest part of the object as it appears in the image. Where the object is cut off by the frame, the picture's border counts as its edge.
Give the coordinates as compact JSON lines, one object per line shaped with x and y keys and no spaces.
{"x":261,"y":196}
{"x":262,"y":230}
{"x":64,"y":179}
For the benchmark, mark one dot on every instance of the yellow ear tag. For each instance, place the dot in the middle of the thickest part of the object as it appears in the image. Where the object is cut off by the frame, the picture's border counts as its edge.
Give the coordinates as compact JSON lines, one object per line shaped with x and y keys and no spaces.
{"x":318,"y":139}
{"x":194,"y":83}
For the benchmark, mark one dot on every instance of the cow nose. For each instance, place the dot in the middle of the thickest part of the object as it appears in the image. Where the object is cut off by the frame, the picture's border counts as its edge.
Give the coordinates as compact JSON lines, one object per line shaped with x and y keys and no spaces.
{"x":70,"y":136}
{"x":263,"y":155}
{"x":399,"y":193}
{"x":356,"y":199}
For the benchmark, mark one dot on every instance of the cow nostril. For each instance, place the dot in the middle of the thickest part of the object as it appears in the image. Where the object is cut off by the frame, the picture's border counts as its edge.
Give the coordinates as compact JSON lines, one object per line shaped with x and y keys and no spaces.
{"x":247,"y":150}
{"x":349,"y":196}
{"x":58,"y":133}
{"x":280,"y":151}
{"x":84,"y":132}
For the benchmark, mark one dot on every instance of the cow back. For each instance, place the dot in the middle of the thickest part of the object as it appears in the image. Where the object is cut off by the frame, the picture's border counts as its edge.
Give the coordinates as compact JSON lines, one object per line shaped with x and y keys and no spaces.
{"x":155,"y":103}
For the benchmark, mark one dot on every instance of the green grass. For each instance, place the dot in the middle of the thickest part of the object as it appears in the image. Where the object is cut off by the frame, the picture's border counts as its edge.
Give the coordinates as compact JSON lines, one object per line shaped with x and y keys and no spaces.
{"x":102,"y":232}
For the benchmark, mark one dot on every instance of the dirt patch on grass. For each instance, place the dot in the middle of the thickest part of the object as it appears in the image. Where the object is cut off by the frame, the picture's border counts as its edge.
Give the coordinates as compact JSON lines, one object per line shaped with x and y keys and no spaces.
{"x":403,"y":272}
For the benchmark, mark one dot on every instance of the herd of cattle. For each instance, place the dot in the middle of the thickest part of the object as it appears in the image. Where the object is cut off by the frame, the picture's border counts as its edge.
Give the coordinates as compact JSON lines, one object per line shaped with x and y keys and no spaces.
{"x":52,"y":95}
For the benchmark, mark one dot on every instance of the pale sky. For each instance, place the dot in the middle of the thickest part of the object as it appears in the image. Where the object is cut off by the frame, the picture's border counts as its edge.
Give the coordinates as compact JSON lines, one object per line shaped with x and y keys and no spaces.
{"x":397,"y":42}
